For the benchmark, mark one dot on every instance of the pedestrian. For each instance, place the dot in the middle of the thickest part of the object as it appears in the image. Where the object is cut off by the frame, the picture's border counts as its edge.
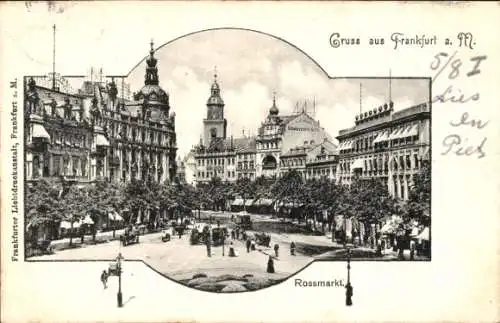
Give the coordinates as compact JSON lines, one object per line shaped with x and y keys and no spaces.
{"x":292,"y":248}
{"x":249,"y":243}
{"x":276,"y":249}
{"x":209,"y":251}
{"x":104,"y":278}
{"x":180,"y":233}
{"x":412,"y":250}
{"x":253,"y":244}
{"x":270,"y":265}
{"x":232,"y":253}
{"x":232,"y":234}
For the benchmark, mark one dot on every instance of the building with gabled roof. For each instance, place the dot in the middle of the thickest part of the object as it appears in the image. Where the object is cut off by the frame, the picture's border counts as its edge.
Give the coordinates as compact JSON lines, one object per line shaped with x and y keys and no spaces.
{"x":94,"y":134}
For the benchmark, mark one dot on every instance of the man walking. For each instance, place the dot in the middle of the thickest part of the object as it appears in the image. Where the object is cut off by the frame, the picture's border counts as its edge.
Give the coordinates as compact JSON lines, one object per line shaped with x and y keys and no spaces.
{"x":104,"y":279}
{"x":249,"y":243}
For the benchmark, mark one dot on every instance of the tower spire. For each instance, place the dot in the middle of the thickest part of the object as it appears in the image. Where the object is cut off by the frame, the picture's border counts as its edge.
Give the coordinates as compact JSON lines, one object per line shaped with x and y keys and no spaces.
{"x":54,"y":57}
{"x":215,"y":74}
{"x":151,"y":77}
{"x":274,"y":109}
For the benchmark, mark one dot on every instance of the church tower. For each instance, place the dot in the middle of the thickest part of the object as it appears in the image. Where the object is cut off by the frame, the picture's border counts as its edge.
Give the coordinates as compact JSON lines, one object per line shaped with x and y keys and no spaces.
{"x":215,"y":125}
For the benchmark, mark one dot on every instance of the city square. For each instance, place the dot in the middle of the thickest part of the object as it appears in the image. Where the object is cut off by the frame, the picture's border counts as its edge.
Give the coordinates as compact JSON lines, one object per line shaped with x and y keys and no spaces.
{"x":111,"y":173}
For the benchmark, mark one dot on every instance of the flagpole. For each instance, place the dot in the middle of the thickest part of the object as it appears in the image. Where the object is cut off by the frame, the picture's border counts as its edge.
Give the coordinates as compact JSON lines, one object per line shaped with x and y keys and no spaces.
{"x":54,"y":57}
{"x":360,"y":98}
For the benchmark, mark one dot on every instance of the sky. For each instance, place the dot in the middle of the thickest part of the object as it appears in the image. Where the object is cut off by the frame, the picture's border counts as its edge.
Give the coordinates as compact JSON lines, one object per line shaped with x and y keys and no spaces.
{"x":250,"y":67}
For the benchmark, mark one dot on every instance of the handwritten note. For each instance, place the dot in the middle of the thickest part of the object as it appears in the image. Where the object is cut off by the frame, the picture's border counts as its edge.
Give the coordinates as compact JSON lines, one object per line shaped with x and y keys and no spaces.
{"x":455,"y":67}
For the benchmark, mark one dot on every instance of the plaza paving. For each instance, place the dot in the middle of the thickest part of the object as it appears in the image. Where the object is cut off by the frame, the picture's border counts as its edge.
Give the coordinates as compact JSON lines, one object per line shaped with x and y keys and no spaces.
{"x":180,"y":261}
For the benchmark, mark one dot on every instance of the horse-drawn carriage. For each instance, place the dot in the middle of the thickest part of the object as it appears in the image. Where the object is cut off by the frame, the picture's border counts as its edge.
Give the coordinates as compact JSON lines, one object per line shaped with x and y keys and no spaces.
{"x":263,"y":239}
{"x":130,"y":236}
{"x":244,"y":221}
{"x":197,"y":237}
{"x":219,"y":235}
{"x":165,"y":236}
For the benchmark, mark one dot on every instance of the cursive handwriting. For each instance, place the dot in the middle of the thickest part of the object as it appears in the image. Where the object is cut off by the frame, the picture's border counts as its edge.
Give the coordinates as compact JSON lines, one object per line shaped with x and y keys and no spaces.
{"x":465,"y":121}
{"x":454,"y":144}
{"x":449,"y":96}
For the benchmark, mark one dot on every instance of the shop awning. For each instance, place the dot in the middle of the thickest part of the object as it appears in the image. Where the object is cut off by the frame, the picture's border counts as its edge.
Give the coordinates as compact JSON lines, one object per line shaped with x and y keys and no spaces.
{"x":413,"y":131}
{"x":40,"y":132}
{"x":348,"y":145}
{"x":384,"y":136}
{"x":358,"y":163}
{"x":237,"y":202}
{"x":67,"y":225}
{"x":424,"y":235}
{"x":101,"y":140}
{"x":425,"y":154}
{"x":394,"y":134}
{"x":88,"y":220}
{"x":263,"y":202}
{"x":407,"y":132}
{"x":113,"y":216}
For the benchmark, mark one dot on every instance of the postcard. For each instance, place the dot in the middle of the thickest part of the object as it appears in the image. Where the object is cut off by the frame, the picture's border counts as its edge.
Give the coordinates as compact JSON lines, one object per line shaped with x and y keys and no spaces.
{"x":249,"y":161}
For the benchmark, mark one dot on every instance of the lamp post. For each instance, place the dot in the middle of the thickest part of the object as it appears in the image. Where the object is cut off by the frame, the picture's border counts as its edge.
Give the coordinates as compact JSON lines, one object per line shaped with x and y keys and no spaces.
{"x":119,"y":295}
{"x":349,"y":292}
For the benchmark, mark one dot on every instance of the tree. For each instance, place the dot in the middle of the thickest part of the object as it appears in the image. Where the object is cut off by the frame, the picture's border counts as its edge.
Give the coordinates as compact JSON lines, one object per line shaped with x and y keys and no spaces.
{"x":105,"y":197}
{"x":42,"y":208}
{"x":75,"y":206}
{"x":136,"y":197}
{"x":419,"y":197}
{"x":288,"y":188}
{"x":368,"y":201}
{"x":245,"y":188}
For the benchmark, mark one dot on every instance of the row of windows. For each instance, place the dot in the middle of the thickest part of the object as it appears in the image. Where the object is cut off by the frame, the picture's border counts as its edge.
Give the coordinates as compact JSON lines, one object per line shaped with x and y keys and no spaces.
{"x":217,"y":173}
{"x":67,"y":166}
{"x":382,"y":163}
{"x":246,"y":165}
{"x":218,"y":161}
{"x":268,"y":145}
{"x":292,"y":162}
{"x":134,"y":133}
{"x":68,"y":139}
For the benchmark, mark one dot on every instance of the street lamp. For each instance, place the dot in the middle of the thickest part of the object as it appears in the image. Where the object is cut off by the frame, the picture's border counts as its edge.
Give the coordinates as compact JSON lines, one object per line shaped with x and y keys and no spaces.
{"x":348,"y":293}
{"x":119,"y":296}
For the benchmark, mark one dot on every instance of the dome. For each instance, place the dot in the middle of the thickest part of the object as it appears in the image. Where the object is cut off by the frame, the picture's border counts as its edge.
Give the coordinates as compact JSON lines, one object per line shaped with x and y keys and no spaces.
{"x":274,"y":109}
{"x":151,"y":91}
{"x":152,"y":94}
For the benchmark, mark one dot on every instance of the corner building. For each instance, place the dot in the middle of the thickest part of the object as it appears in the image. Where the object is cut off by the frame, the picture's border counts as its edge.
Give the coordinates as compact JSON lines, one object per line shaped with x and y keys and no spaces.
{"x":95,"y":135}
{"x":386,"y":145}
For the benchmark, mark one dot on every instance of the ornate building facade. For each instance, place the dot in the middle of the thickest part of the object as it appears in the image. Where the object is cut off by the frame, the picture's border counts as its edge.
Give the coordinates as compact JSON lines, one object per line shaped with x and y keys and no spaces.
{"x":250,"y":157}
{"x":311,"y":160}
{"x":386,"y":145}
{"x":96,"y":135}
